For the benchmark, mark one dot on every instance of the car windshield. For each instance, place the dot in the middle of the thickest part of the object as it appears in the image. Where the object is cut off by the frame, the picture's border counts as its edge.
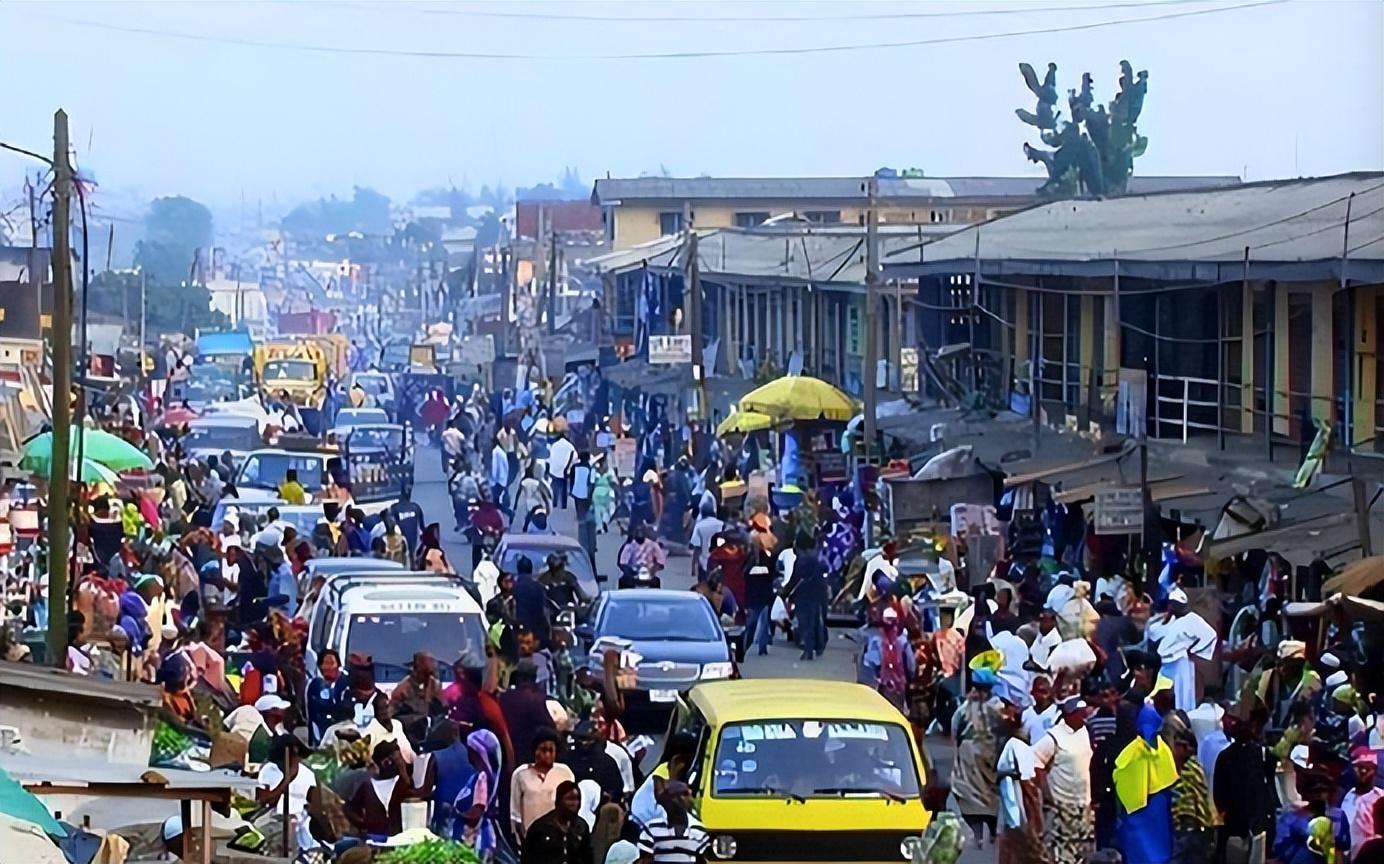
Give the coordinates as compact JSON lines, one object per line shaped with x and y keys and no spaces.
{"x":815,"y":759}
{"x":579,"y":564}
{"x":372,"y":384}
{"x":392,"y":639}
{"x":223,"y":438}
{"x":360,"y":417}
{"x":290,"y":370}
{"x":209,"y":388}
{"x":267,"y":470}
{"x":659,"y":620}
{"x":376,"y":438}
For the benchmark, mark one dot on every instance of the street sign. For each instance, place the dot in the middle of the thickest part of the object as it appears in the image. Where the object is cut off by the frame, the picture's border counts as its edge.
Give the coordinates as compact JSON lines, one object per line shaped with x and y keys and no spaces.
{"x":670,"y":350}
{"x":1131,"y":403}
{"x":475,"y":350}
{"x":625,"y":452}
{"x":1120,"y":511}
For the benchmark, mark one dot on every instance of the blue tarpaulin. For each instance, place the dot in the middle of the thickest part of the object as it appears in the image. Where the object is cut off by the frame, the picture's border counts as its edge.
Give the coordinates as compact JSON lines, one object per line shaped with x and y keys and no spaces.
{"x":234,"y":342}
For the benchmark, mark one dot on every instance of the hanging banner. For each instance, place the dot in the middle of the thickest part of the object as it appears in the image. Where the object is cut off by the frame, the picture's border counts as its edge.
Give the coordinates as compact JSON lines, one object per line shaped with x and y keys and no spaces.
{"x":670,"y":350}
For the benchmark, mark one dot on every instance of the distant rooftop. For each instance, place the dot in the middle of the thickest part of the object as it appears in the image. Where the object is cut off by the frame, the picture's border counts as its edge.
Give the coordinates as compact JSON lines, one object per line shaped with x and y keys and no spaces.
{"x":1290,"y":229}
{"x":616,"y":190}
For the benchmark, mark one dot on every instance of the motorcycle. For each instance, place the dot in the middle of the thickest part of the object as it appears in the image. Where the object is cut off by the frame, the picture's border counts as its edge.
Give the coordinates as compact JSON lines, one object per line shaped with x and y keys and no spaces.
{"x":640,"y":578}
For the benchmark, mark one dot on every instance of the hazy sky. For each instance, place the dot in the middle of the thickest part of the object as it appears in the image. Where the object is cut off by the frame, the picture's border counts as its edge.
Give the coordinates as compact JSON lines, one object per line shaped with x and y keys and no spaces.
{"x":1278,"y":89}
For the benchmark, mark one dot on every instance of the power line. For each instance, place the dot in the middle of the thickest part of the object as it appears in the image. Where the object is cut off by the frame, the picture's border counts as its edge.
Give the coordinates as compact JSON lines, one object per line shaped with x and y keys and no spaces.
{"x":31,"y":154}
{"x":731,"y":19}
{"x":672,"y":55}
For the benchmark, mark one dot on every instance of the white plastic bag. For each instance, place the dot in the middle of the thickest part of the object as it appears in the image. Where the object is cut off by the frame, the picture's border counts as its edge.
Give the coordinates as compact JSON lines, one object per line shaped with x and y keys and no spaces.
{"x":779,"y":613}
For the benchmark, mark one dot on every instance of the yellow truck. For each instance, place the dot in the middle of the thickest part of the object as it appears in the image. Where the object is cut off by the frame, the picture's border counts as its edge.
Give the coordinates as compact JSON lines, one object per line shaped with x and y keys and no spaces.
{"x":295,"y":370}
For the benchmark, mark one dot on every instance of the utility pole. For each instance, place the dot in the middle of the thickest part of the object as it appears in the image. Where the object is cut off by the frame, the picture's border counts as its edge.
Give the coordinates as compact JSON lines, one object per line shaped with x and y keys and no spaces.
{"x":58,"y":483}
{"x":869,"y":322}
{"x":694,"y":320}
{"x":552,"y":277}
{"x":1362,"y":516}
{"x":147,"y":384}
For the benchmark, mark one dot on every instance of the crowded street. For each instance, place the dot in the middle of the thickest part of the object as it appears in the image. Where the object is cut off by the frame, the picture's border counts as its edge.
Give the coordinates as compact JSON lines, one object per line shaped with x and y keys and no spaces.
{"x":692,"y":432}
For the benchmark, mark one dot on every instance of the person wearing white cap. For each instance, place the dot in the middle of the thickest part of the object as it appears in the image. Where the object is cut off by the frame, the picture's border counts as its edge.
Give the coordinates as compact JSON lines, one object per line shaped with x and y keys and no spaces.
{"x":1182,"y":634}
{"x":1292,"y":682}
{"x":1063,"y":760}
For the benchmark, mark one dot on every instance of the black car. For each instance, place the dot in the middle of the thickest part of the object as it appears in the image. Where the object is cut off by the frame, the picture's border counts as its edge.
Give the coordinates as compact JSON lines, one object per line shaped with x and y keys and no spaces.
{"x":676,"y":635}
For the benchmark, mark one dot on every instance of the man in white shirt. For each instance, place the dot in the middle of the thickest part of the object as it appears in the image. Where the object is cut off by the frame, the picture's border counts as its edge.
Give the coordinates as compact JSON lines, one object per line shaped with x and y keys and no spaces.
{"x":1182,"y":634}
{"x":1358,"y":804}
{"x":452,"y":443}
{"x":707,"y":527}
{"x":562,"y":456}
{"x":273,"y":785}
{"x":1063,"y":759}
{"x":1041,"y":716}
{"x":1048,"y":638}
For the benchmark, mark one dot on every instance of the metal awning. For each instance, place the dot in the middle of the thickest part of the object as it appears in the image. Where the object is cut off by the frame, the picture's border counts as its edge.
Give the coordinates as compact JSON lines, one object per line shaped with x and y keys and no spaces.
{"x":1267,"y":539}
{"x":1069,"y":468}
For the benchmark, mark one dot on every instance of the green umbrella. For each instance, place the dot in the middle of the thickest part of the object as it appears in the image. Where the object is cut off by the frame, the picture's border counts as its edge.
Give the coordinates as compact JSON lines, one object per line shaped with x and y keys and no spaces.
{"x":104,"y":448}
{"x":19,"y":803}
{"x":95,"y":472}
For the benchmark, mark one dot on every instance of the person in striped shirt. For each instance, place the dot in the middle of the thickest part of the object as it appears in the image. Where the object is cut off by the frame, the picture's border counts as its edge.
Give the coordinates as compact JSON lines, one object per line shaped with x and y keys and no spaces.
{"x":677,"y":838}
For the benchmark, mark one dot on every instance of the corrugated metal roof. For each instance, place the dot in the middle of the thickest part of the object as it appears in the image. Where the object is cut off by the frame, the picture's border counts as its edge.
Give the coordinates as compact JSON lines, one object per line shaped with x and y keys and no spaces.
{"x":831,"y":255}
{"x":26,"y":676}
{"x":615,"y":190}
{"x":1295,"y":229}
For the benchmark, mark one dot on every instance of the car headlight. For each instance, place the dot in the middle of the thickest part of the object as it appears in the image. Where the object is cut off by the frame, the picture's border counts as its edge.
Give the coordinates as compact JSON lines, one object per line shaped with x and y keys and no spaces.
{"x":909,"y":847}
{"x":723,"y":847}
{"x":713,"y":671}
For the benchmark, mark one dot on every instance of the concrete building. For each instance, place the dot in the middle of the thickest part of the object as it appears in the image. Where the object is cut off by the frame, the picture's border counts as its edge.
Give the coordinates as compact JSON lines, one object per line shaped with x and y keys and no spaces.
{"x":638,"y":210}
{"x":1249,"y":311}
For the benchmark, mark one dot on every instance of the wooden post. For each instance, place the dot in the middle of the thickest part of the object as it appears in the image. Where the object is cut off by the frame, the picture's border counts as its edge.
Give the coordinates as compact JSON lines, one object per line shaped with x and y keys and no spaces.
{"x":59,"y":483}
{"x":1362,"y":517}
{"x":869,"y":325}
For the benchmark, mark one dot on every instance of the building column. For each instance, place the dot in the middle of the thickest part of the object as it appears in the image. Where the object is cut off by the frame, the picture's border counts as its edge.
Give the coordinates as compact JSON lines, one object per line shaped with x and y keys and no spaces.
{"x":1323,"y":355}
{"x":1280,"y":381}
{"x":1022,"y":340}
{"x":1111,"y":346}
{"x":1365,"y":357}
{"x":1086,"y":348}
{"x":1247,"y":358}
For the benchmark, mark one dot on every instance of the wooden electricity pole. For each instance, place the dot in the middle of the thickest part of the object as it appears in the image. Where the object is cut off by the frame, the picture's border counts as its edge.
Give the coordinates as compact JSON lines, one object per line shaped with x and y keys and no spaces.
{"x":694,"y":321}
{"x":869,"y":322}
{"x":58,"y":478}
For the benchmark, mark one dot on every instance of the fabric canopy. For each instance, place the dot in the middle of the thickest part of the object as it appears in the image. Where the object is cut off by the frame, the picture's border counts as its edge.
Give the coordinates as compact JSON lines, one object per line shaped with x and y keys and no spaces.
{"x":799,"y":397}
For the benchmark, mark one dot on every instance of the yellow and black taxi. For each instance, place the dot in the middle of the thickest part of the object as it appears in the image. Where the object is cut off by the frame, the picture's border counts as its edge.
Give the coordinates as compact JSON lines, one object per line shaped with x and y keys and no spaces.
{"x":803,"y":770}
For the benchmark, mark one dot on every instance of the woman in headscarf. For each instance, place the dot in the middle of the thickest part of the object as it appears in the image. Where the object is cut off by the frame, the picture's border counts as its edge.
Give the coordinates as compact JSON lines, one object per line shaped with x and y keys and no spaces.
{"x":326,"y":695}
{"x":603,"y":493}
{"x":430,"y":554}
{"x":1020,"y":839}
{"x":840,"y":540}
{"x":1144,"y":776}
{"x":478,"y":804}
{"x":1194,"y":818}
{"x":974,"y":782}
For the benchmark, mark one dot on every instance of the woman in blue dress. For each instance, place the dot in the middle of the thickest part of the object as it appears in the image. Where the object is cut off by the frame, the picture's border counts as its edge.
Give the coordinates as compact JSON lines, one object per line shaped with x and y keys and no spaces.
{"x":1144,"y":776}
{"x":477,"y":807}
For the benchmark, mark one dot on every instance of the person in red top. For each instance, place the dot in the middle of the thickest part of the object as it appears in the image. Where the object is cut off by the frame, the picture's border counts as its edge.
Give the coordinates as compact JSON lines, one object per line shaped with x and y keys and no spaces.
{"x":471,"y":707}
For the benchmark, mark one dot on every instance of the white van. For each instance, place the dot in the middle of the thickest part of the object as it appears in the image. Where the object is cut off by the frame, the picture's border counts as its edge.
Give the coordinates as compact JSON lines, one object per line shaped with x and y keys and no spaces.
{"x":391,"y":615}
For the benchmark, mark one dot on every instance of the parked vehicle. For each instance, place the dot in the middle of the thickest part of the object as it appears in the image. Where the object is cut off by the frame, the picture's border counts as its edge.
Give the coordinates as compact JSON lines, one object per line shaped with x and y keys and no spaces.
{"x":221,"y":433}
{"x":391,"y":614}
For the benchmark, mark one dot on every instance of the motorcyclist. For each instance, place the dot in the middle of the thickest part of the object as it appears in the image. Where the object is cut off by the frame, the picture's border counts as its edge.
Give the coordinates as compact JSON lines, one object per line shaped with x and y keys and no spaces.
{"x":485,"y":525}
{"x":564,"y":591}
{"x":537,"y":522}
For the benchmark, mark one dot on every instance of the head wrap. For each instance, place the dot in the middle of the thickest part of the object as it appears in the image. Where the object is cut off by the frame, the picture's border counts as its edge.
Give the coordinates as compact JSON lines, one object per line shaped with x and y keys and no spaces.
{"x":1145,"y":766}
{"x":1291,"y":649}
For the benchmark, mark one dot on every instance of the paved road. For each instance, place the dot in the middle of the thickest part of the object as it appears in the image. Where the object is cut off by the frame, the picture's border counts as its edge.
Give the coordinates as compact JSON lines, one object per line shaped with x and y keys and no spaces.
{"x":838,"y":663}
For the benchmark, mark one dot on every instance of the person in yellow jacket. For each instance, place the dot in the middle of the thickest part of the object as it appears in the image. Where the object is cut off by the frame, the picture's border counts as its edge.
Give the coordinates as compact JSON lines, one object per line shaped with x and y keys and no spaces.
{"x":1144,"y":775}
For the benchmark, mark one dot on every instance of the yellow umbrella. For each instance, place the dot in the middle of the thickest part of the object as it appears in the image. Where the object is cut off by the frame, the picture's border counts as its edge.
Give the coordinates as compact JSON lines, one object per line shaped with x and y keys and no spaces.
{"x":1357,"y":577}
{"x":744,"y":421}
{"x":798,"y":397}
